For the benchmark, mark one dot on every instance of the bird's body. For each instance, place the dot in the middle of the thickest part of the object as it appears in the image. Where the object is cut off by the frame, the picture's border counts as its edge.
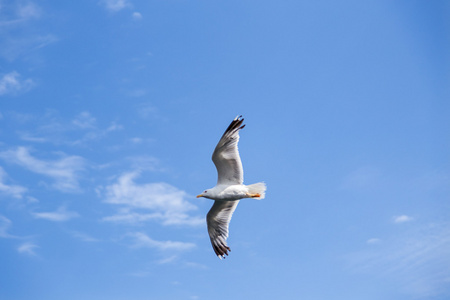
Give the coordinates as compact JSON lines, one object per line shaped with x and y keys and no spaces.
{"x":229,"y":189}
{"x":234,"y":192}
{"x":227,"y":192}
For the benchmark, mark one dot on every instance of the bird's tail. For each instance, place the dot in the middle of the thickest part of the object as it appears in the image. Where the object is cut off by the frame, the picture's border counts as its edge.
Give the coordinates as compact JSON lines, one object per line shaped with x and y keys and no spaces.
{"x":257,"y":188}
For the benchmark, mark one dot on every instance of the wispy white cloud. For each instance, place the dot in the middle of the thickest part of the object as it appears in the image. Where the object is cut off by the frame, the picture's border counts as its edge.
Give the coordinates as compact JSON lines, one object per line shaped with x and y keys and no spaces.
{"x":84,"y":120}
{"x":373,"y":241}
{"x":13,"y":47}
{"x":195,"y":265}
{"x":52,"y":128}
{"x":19,"y":117}
{"x":5,"y":223}
{"x":139,"y":140}
{"x":148,"y":111}
{"x":15,"y":191}
{"x":141,"y":240}
{"x":27,"y":248}
{"x":96,"y":134}
{"x":167,"y":260}
{"x":115,"y":5}
{"x":28,"y":10}
{"x":25,"y":136}
{"x":137,"y":93}
{"x":42,"y":128}
{"x":84,"y":237}
{"x":126,"y":216}
{"x":144,"y":163}
{"x":416,"y":259}
{"x":11,"y":83}
{"x":166,"y":203}
{"x":19,"y":29}
{"x":136,"y":140}
{"x":362,"y":178}
{"x":64,"y":171}
{"x":114,"y":127}
{"x":60,"y":215}
{"x":401,"y":219}
{"x":139,"y":274}
{"x":137,"y":15}
{"x":31,"y":199}
{"x":18,"y":12}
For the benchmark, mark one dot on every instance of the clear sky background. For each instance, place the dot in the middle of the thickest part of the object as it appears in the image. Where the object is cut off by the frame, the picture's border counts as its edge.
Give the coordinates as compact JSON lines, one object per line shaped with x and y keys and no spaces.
{"x":110,"y":111}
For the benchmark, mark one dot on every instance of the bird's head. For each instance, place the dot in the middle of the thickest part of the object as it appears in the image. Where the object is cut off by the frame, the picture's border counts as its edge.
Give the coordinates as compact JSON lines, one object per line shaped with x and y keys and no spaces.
{"x":205,"y":193}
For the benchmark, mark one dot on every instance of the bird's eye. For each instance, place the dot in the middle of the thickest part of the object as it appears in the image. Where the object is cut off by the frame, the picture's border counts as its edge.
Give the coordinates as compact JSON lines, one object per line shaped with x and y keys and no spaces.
{"x":205,"y":192}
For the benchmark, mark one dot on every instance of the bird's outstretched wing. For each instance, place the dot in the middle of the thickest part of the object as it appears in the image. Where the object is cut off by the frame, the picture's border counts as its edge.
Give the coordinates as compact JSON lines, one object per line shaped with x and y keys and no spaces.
{"x":218,"y":219}
{"x":226,"y":155}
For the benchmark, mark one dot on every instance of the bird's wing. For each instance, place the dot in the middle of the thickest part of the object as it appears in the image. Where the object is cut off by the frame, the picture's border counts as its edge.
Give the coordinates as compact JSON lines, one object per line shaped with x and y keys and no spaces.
{"x":218,"y":219}
{"x":226,"y":155}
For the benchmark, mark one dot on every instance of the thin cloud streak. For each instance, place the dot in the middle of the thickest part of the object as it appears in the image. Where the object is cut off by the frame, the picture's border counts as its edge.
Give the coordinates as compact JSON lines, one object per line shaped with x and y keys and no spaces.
{"x":373,"y":241}
{"x":115,"y":5}
{"x":417,"y":260}
{"x":141,"y":240}
{"x":15,"y":191}
{"x":402,"y":219}
{"x":60,"y":215}
{"x":19,"y":29}
{"x":361,"y":179}
{"x":137,"y":16}
{"x":52,"y":128}
{"x":84,"y":121}
{"x":11,"y":83}
{"x":64,"y":171}
{"x":28,"y":11}
{"x":13,"y":47}
{"x":166,"y":203}
{"x":5,"y":223}
{"x":84,"y":237}
{"x":27,"y":248}
{"x":21,"y":13}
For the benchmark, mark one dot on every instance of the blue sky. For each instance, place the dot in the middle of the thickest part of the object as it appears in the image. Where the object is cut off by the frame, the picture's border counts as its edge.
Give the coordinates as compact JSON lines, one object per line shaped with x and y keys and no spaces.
{"x":110,"y":111}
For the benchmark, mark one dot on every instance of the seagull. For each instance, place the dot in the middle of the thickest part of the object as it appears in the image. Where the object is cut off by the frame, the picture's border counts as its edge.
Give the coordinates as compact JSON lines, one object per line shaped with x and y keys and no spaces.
{"x":229,"y":188}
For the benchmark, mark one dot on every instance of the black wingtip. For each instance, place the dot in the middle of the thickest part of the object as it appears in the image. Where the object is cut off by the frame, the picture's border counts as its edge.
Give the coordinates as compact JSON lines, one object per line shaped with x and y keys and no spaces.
{"x":235,"y":124}
{"x":221,"y":250}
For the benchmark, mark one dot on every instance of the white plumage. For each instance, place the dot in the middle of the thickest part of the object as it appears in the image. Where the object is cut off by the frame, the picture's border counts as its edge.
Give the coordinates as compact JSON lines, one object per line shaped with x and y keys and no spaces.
{"x":229,"y":188}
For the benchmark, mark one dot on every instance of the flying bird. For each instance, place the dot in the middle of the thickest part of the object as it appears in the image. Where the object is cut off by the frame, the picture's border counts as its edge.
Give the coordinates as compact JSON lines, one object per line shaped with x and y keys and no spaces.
{"x":229,"y":189}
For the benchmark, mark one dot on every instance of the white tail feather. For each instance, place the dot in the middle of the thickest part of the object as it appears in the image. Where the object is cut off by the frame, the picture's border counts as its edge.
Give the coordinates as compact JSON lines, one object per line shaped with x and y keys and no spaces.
{"x":257,"y":188}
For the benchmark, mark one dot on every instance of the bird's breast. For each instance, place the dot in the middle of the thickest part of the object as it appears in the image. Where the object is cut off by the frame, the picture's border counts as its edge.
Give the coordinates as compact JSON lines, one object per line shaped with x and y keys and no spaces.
{"x":232,"y":192}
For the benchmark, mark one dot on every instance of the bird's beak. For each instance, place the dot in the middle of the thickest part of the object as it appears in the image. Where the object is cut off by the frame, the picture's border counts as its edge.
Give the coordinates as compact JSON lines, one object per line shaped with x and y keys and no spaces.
{"x":198,"y":196}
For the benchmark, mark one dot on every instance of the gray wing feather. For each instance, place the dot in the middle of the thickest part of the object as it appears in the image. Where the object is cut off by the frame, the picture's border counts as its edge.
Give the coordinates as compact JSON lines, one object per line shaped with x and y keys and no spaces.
{"x":226,"y":155}
{"x":218,"y":219}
